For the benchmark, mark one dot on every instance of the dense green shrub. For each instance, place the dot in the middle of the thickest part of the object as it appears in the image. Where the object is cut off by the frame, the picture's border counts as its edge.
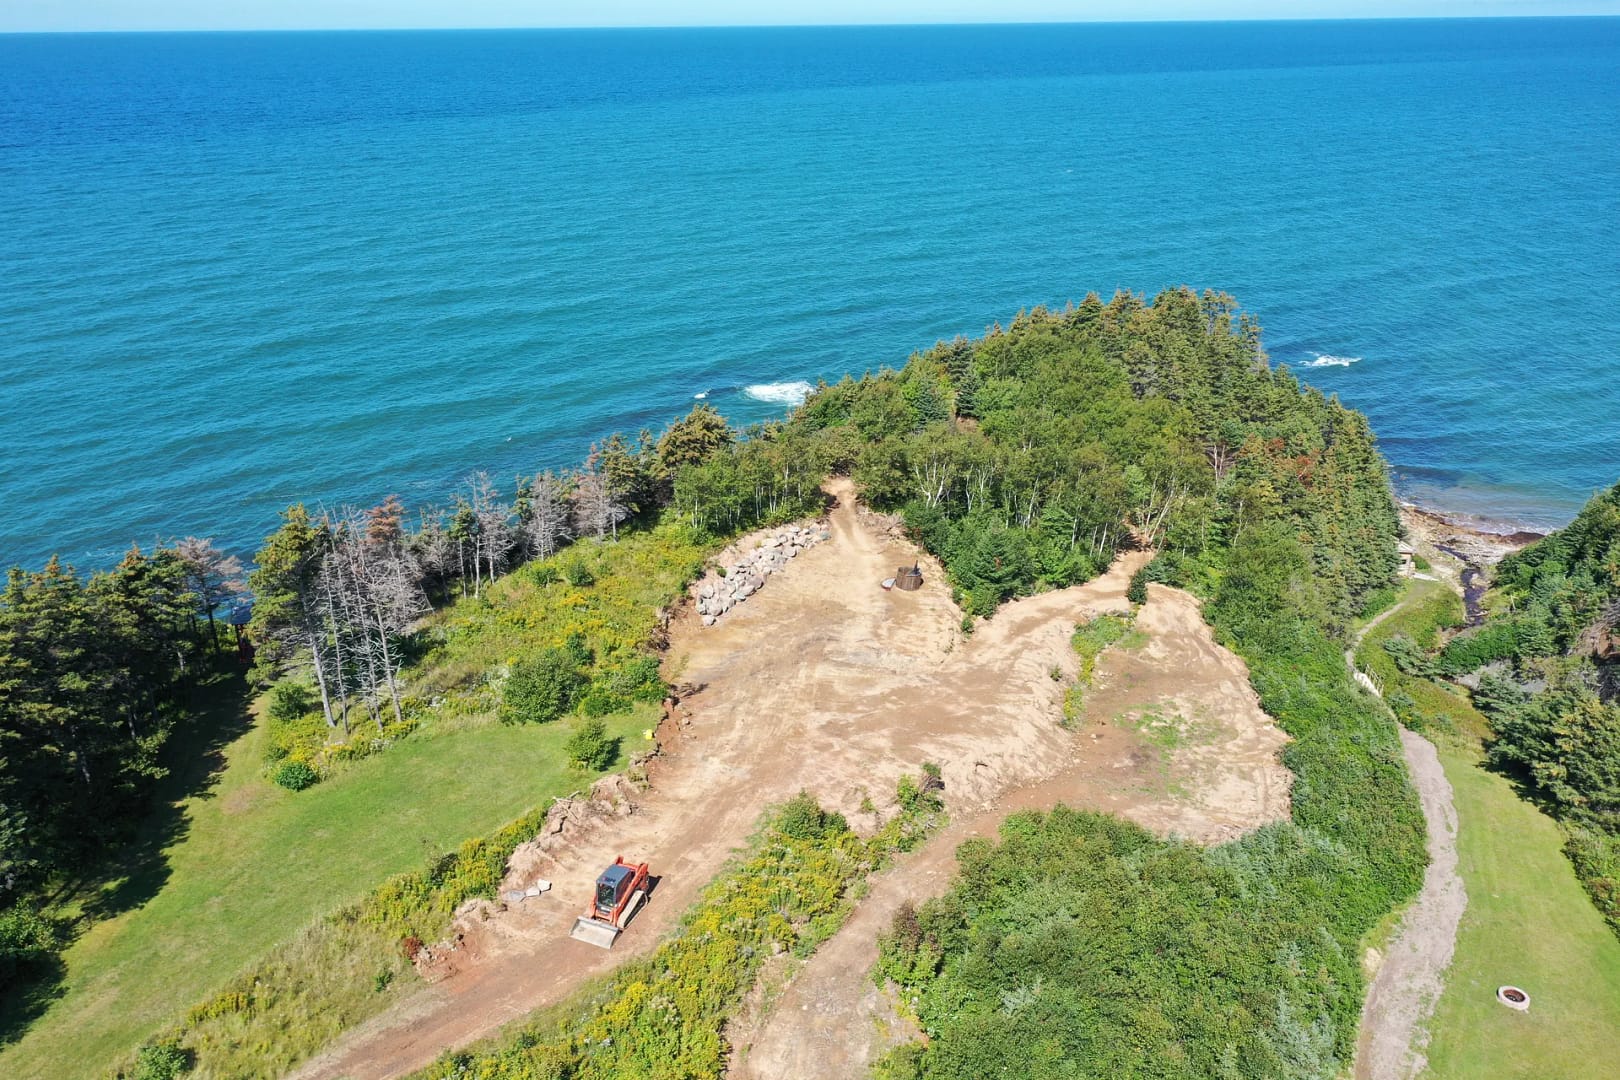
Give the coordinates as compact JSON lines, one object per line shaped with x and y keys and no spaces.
{"x":1567,"y":583}
{"x":1409,"y":658}
{"x":295,"y":776}
{"x":1082,"y":945}
{"x":542,"y":687}
{"x":802,"y":818}
{"x":1596,"y":856}
{"x":161,"y":1061}
{"x":1565,"y":744}
{"x":1497,"y":640}
{"x":27,"y":939}
{"x":589,"y":746}
{"x":289,"y":700}
{"x":1136,"y":591}
{"x":598,"y":701}
{"x":636,"y":678}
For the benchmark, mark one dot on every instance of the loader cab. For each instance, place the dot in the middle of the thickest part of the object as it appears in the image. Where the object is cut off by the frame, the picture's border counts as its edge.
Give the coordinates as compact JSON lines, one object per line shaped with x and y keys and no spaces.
{"x":612,"y":885}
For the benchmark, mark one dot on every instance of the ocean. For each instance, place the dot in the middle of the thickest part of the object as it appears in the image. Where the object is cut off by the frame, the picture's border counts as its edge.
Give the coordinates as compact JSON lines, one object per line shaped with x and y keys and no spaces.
{"x":239,"y":270}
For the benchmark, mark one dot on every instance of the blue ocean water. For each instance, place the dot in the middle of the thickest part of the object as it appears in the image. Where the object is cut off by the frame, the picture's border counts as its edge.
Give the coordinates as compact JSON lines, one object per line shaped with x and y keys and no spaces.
{"x":238,"y":270}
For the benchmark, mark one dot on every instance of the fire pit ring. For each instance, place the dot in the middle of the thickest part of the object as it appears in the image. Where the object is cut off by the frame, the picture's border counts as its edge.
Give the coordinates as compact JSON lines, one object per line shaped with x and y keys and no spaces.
{"x":1513,"y":998}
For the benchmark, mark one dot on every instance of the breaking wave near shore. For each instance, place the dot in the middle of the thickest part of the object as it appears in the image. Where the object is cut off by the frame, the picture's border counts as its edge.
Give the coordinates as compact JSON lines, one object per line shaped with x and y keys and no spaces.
{"x":1327,"y":360}
{"x":782,"y":393}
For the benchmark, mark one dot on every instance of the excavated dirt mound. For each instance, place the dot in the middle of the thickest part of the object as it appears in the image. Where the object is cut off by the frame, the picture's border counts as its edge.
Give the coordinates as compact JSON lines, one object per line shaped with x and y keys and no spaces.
{"x":824,"y":681}
{"x":1174,"y":740}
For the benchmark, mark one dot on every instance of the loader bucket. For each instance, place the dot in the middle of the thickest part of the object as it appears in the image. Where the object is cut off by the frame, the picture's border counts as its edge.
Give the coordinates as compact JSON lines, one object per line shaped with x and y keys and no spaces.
{"x":594,"y":932}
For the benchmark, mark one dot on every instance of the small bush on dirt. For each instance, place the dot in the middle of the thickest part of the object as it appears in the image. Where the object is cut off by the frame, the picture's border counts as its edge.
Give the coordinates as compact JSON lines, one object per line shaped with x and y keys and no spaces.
{"x":541,"y":688}
{"x":920,"y":798}
{"x":1136,"y":592}
{"x":802,"y":818}
{"x":295,"y":776}
{"x":1167,"y":568}
{"x":1095,"y":635}
{"x":589,"y":746}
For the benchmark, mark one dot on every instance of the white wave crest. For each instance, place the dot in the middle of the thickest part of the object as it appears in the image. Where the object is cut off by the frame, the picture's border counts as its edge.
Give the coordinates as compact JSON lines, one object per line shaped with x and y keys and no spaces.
{"x":1324,"y":360}
{"x":780,"y":393}
{"x":700,"y":397}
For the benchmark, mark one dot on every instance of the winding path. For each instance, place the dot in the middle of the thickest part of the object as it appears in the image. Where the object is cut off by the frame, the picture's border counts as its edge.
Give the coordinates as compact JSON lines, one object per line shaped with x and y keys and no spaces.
{"x":1408,"y":983}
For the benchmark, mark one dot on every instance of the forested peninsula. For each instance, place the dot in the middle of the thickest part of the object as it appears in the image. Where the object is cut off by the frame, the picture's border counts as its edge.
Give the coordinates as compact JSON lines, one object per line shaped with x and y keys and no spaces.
{"x":1025,"y":461}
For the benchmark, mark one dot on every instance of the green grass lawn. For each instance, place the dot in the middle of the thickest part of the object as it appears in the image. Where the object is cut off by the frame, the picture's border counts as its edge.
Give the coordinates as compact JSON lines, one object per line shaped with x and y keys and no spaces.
{"x":1530,"y":924}
{"x":255,"y":864}
{"x":252,"y":866}
{"x":1440,"y":711}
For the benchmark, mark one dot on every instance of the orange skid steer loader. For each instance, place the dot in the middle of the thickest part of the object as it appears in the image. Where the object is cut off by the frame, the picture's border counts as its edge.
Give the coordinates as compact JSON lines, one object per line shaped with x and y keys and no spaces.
{"x":620,"y":890}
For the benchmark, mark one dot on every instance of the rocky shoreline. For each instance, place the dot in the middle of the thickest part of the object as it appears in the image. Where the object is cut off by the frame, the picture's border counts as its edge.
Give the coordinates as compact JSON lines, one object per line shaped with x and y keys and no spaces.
{"x":1471,"y":541}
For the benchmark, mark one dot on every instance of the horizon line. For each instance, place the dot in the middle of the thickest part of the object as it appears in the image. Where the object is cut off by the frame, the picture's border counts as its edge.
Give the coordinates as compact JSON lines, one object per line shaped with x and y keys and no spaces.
{"x":800,"y":26}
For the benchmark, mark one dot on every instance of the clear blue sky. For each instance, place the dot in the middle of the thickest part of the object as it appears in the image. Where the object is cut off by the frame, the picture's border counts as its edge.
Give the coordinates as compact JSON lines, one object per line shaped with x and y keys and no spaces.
{"x":330,"y":14}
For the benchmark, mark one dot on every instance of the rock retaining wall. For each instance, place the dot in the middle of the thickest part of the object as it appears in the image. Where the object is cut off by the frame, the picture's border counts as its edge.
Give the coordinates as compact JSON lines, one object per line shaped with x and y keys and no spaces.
{"x":745,"y":572}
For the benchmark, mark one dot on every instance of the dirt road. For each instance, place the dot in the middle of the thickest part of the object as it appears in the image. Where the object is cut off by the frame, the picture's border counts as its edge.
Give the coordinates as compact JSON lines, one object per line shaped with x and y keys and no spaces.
{"x":1412,"y":972}
{"x":825,"y":682}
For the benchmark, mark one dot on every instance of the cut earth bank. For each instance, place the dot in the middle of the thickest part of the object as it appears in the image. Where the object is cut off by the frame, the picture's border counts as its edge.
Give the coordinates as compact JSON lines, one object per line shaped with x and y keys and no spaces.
{"x":825,"y":682}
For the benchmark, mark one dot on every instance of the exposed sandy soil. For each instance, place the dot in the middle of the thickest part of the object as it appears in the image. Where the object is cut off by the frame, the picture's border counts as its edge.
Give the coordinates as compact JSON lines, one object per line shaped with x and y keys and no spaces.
{"x":825,"y":682}
{"x":1216,"y":777}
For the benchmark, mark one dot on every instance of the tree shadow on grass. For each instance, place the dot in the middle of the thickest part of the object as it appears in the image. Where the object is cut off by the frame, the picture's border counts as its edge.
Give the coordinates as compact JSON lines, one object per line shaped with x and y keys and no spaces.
{"x":195,"y":757}
{"x":29,"y":992}
{"x":136,"y":866}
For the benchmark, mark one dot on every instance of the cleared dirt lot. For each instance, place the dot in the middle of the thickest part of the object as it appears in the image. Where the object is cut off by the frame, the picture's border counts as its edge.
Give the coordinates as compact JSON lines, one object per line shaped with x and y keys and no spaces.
{"x":1174,"y":740}
{"x":825,"y":682}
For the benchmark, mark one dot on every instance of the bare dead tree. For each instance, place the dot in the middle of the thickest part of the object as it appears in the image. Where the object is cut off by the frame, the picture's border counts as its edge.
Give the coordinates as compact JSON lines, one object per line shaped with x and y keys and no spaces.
{"x":432,"y":550}
{"x":393,"y":601}
{"x":546,"y":527}
{"x":597,"y":510}
{"x":494,"y":536}
{"x":377,"y":590}
{"x":332,"y":600}
{"x":212,"y":576}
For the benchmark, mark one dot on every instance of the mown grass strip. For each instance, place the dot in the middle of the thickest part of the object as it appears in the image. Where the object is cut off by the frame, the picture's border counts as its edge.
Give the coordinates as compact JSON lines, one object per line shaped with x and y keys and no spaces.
{"x":1528,"y":924}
